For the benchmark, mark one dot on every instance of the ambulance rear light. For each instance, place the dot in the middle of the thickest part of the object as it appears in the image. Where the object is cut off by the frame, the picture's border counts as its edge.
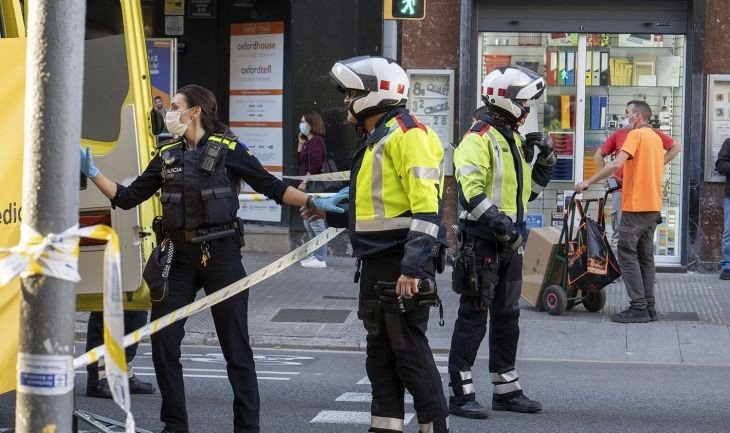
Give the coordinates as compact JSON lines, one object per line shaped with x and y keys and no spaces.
{"x":92,"y":218}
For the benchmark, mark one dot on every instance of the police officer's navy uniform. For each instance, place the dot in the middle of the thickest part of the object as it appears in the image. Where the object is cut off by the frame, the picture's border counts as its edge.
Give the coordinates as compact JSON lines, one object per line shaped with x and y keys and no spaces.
{"x":492,"y":174}
{"x":197,"y":203}
{"x":394,"y":217}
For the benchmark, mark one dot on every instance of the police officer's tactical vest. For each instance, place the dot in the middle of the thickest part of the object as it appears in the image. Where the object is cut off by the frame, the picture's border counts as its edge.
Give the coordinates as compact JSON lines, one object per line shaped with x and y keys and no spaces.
{"x":191,"y":198}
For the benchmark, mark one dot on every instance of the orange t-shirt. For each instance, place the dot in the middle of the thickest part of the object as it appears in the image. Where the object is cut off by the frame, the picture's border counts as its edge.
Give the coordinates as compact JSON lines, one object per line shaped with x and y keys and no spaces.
{"x":642,"y":188}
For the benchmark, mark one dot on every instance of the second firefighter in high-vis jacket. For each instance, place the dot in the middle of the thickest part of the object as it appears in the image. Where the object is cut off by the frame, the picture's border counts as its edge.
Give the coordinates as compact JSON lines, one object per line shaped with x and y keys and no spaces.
{"x":496,"y":179}
{"x":394,"y":219}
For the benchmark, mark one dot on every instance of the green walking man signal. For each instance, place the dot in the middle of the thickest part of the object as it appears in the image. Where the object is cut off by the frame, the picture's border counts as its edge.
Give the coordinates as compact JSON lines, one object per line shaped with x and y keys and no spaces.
{"x":404,"y":9}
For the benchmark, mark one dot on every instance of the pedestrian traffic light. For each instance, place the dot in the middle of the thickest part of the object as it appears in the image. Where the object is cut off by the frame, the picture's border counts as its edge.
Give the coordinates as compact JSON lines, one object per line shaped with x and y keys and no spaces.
{"x":404,"y":9}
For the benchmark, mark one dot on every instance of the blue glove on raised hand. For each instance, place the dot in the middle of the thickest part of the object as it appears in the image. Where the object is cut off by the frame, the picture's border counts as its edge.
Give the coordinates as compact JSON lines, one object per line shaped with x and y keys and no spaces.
{"x":329,"y":204}
{"x":87,"y":163}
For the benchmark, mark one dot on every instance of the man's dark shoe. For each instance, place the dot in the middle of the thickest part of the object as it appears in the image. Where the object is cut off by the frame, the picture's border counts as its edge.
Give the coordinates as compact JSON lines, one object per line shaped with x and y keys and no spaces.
{"x":725,"y":274}
{"x":632,"y":315}
{"x":470,"y":409}
{"x":100,"y":390}
{"x":653,"y":316}
{"x":520,"y":404}
{"x":137,"y":386}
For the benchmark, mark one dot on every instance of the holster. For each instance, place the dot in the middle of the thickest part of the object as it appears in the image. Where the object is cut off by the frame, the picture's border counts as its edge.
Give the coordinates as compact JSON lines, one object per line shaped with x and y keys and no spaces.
{"x":488,"y":279}
{"x":438,"y":252}
{"x":465,"y":278}
{"x":241,"y":239}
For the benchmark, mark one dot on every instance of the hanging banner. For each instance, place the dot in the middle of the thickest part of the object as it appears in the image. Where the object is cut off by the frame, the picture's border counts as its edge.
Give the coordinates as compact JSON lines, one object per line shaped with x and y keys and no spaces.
{"x":11,"y":174}
{"x":256,"y":102}
{"x":162,"y":61}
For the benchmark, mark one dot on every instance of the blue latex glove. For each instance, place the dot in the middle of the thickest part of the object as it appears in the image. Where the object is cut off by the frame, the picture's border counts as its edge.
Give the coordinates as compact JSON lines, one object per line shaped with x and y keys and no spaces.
{"x":329,"y":204}
{"x":87,"y":163}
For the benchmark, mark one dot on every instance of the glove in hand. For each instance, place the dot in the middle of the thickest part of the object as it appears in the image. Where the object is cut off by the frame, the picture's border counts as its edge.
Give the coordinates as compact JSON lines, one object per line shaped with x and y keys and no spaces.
{"x":87,"y":163}
{"x":330,"y":204}
{"x":541,"y":141}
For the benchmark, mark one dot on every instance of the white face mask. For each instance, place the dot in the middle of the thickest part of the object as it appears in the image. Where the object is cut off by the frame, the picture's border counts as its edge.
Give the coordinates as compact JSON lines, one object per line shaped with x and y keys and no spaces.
{"x":304,"y":128}
{"x":626,"y":122}
{"x":172,"y":121}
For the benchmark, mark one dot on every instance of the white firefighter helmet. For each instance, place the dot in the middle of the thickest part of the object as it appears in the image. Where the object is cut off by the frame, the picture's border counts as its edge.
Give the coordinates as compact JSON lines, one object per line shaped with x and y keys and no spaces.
{"x":380,"y":84}
{"x":506,"y":88}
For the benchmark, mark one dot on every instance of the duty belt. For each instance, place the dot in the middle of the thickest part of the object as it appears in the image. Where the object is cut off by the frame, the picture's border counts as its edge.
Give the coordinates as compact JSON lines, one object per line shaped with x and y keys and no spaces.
{"x":204,"y":234}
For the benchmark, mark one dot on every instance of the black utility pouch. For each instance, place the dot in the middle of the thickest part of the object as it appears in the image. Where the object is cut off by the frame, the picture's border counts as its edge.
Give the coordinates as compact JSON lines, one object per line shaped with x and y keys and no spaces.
{"x":157,"y":271}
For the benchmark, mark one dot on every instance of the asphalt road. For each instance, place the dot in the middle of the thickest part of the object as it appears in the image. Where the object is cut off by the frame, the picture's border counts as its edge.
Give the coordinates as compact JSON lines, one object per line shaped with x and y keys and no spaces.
{"x":322,"y":392}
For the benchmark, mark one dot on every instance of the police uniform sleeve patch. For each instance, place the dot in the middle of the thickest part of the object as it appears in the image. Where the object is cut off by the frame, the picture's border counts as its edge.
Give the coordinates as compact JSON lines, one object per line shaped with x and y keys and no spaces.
{"x":407,"y":121}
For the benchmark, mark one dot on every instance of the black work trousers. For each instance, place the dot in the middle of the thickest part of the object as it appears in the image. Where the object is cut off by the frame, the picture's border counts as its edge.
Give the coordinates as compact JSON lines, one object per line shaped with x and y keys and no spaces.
{"x":133,"y":320}
{"x":187,"y":276}
{"x":504,"y":329}
{"x":398,"y":354}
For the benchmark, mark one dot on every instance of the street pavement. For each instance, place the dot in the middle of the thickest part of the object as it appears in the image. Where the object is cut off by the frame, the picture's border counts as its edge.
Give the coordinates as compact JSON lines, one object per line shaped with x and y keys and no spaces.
{"x":328,"y":392}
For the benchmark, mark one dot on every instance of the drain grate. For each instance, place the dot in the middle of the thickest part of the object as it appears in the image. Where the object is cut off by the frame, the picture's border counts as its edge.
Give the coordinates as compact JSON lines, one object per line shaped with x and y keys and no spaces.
{"x":680,"y":316}
{"x":342,"y":298}
{"x":304,"y":315}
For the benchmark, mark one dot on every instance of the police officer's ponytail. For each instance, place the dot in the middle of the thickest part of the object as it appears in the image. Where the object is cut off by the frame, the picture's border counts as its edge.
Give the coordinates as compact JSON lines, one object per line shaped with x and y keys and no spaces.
{"x":205,"y":99}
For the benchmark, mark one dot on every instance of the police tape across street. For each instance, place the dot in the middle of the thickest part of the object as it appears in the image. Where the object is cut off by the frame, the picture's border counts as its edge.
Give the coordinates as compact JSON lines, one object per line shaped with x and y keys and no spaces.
{"x":216,"y":297}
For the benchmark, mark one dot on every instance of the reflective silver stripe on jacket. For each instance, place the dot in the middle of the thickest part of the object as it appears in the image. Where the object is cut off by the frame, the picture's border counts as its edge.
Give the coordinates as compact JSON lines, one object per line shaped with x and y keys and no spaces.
{"x":382,"y":224}
{"x":464,"y":215}
{"x":504,"y":377}
{"x":482,"y":207}
{"x":507,"y":387}
{"x":377,"y":172}
{"x":467,"y":169}
{"x":426,"y":227}
{"x":429,"y":173}
{"x":496,"y":195}
{"x":386,"y":423}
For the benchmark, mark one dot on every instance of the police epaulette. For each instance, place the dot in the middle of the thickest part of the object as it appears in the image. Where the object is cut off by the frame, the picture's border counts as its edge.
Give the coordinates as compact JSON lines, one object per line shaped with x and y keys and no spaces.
{"x":408,"y":121}
{"x":230,"y":140}
{"x":480,"y":127}
{"x":168,"y":143}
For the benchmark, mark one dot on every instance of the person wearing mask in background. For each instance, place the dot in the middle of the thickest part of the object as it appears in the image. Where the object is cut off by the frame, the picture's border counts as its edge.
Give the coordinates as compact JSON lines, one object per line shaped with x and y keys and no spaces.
{"x":722,"y":166}
{"x":642,"y":156}
{"x":495,"y":182}
{"x":312,"y":153}
{"x":199,"y":173}
{"x":612,"y":147}
{"x":393,"y":217}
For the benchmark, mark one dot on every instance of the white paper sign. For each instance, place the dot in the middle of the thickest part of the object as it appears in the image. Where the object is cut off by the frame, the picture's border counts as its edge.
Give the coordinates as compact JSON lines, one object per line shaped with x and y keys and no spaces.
{"x":256,"y":102}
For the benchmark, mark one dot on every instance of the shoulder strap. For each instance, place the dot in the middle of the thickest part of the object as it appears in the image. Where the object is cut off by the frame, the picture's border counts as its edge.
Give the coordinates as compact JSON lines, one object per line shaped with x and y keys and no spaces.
{"x":168,"y":144}
{"x":480,"y":127}
{"x":408,"y":121}
{"x":227,"y":140}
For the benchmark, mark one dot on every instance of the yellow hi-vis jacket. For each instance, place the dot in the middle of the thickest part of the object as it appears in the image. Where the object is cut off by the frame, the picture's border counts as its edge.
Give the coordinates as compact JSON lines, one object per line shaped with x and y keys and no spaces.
{"x":396,"y":186}
{"x":494,"y":180}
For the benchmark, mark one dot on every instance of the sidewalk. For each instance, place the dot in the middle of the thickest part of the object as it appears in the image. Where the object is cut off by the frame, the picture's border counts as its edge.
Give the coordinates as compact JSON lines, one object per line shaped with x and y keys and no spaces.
{"x":694,"y":316}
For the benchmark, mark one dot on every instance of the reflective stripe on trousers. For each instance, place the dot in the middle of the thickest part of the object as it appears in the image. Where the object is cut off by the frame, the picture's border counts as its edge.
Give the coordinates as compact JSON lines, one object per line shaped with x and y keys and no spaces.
{"x":505,"y":383}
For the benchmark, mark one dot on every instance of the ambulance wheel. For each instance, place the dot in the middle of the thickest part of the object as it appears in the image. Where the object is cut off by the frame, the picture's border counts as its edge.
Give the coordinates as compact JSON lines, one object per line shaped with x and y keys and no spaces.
{"x":594,"y":302}
{"x":554,"y":300}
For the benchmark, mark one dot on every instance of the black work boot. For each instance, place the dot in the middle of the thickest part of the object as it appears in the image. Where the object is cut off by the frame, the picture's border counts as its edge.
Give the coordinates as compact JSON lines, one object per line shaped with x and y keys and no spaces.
{"x":653,"y":316}
{"x":632,"y":315}
{"x":137,"y":386}
{"x":725,"y":274}
{"x":100,"y":390}
{"x":519,"y":403}
{"x":470,"y":409}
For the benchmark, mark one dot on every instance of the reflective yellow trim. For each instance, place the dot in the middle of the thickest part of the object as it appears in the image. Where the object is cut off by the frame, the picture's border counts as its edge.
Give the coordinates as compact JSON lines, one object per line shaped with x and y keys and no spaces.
{"x":227,"y":141}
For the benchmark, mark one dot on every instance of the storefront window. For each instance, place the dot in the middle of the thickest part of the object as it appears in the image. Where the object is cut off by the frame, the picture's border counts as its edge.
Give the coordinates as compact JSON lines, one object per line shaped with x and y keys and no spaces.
{"x":590,"y":79}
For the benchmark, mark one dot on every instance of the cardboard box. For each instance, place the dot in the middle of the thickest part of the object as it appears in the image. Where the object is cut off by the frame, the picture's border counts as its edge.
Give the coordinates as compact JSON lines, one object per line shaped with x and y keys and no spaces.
{"x":537,"y":258}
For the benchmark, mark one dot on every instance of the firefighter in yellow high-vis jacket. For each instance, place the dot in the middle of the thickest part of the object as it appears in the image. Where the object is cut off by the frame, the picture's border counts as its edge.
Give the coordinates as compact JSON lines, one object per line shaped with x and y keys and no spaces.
{"x":495,"y":181}
{"x":394,"y":219}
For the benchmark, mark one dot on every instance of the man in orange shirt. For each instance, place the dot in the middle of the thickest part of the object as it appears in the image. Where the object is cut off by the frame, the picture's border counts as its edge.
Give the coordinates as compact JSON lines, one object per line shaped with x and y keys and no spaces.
{"x":642,"y":158}
{"x":612,"y":146}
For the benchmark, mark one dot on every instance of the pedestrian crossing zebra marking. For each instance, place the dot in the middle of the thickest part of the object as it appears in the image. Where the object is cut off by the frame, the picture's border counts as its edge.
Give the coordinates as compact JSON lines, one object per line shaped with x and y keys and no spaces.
{"x":349,"y":417}
{"x":365,"y":397}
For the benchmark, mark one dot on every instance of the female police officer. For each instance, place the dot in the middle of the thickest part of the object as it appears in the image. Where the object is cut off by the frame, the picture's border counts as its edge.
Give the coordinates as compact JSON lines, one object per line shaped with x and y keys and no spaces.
{"x":199,"y":174}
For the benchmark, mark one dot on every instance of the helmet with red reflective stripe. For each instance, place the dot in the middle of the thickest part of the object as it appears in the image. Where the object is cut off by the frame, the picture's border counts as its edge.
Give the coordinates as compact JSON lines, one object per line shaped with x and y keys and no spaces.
{"x":380,"y":84}
{"x":507,"y":88}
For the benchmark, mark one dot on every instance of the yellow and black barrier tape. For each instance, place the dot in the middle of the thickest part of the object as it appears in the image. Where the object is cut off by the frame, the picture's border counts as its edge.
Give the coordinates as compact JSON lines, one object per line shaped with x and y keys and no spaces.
{"x":214,"y":298}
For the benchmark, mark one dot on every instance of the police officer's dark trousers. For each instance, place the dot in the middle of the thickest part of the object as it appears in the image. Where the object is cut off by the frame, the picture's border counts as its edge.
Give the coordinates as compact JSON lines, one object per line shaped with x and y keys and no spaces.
{"x":133,"y":320}
{"x":187,"y":275}
{"x":504,"y":330}
{"x":398,"y":355}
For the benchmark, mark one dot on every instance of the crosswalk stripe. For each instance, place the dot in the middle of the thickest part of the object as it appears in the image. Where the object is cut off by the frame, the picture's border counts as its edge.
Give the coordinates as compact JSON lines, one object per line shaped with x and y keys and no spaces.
{"x":364,"y":381}
{"x":365,"y":397}
{"x":223,"y":371}
{"x":349,"y":417}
